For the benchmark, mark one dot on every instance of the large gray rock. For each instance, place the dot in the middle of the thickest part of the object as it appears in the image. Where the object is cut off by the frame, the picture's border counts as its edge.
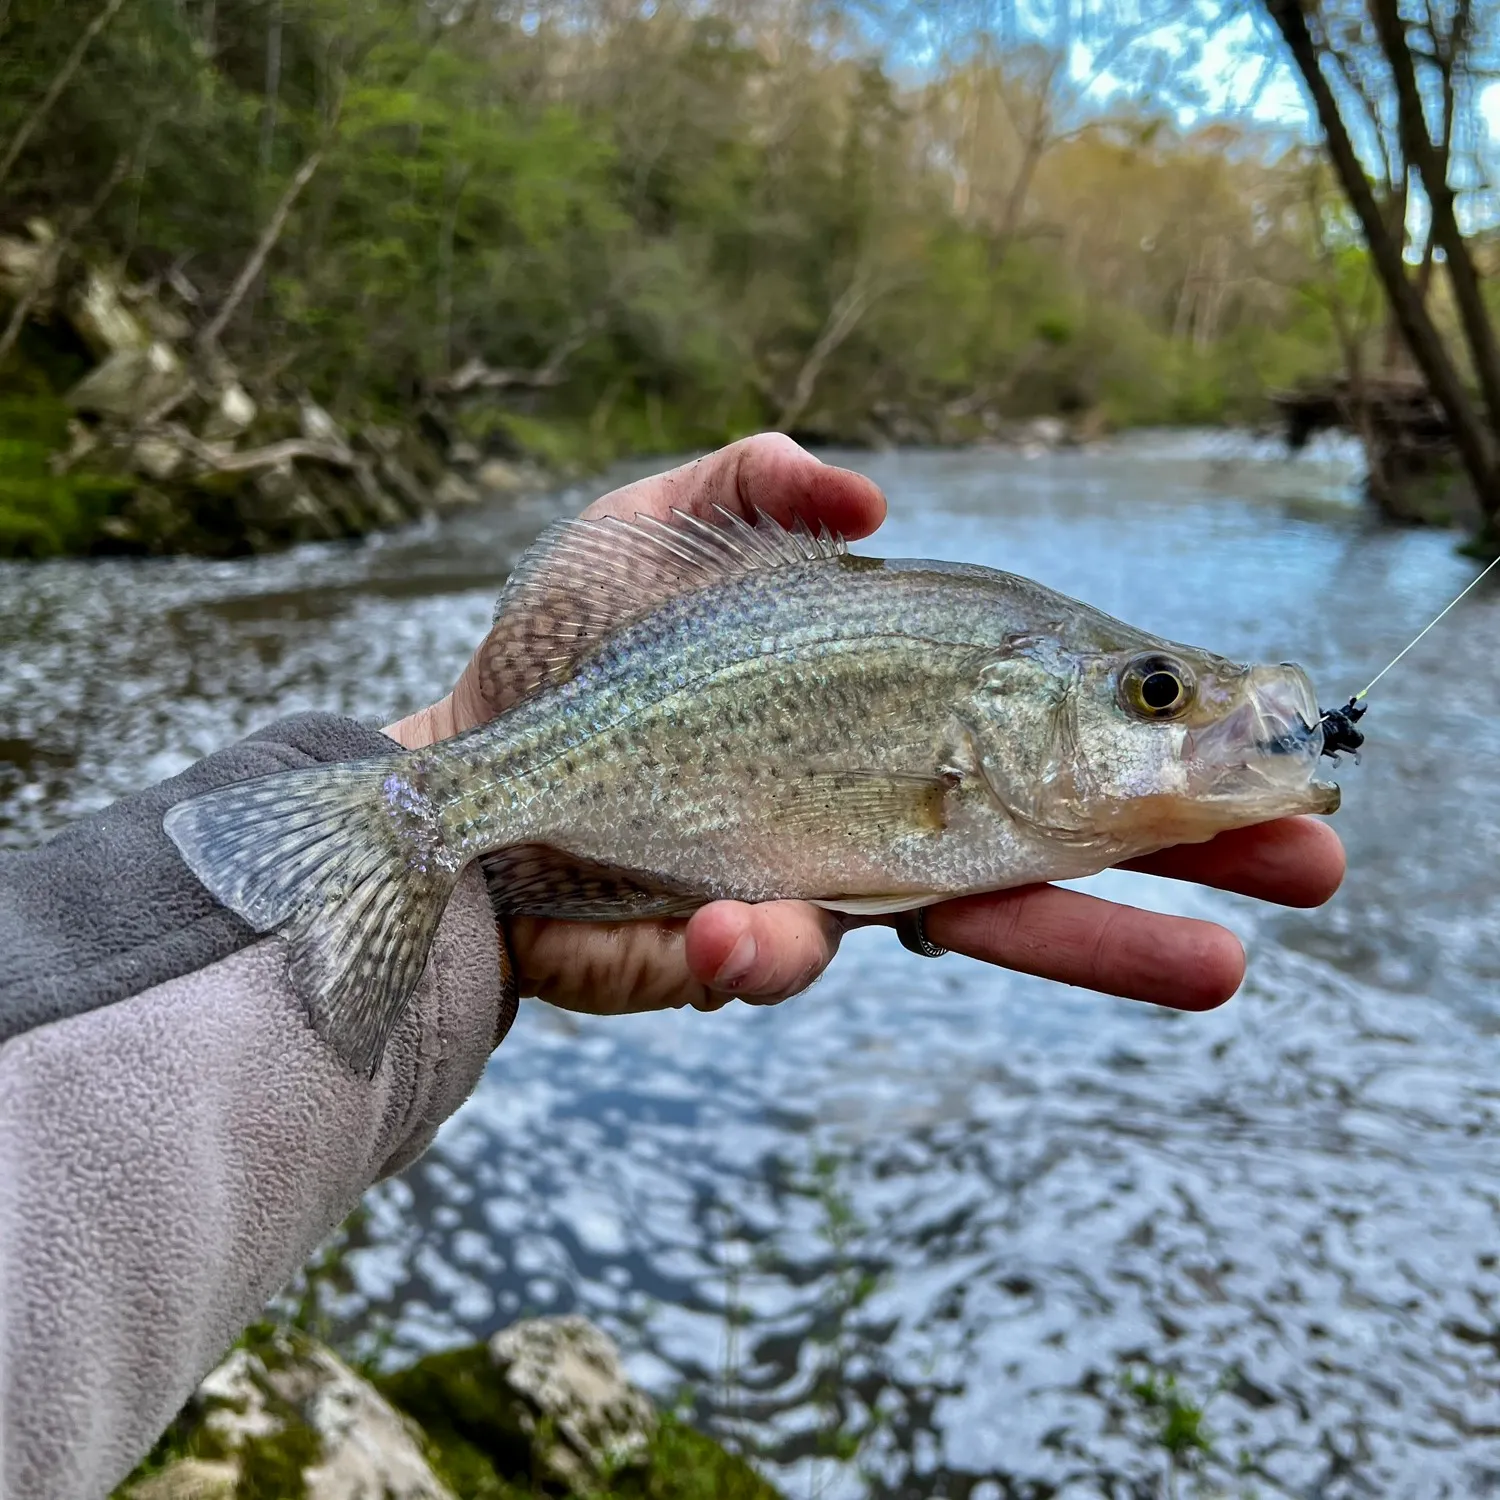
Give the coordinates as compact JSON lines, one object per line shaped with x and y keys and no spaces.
{"x":571,"y":1383}
{"x":23,"y":260}
{"x":131,"y":383}
{"x":233,"y":412}
{"x":99,"y":313}
{"x":293,"y":1404}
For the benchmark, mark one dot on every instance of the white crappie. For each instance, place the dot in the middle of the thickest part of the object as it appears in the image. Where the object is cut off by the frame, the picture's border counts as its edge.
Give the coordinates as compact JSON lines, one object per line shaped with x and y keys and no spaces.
{"x":718,"y":709}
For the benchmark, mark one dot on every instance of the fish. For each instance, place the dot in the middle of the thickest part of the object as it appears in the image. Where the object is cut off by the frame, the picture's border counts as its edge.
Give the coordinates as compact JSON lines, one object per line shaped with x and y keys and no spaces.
{"x":730,"y":707}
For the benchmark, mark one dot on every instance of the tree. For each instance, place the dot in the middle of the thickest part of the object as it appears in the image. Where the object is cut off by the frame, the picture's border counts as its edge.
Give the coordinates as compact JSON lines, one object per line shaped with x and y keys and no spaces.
{"x":1404,"y":85}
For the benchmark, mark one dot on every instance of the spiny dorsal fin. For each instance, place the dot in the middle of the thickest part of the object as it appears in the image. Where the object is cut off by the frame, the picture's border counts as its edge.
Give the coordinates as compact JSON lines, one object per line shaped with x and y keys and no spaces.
{"x":581,"y":580}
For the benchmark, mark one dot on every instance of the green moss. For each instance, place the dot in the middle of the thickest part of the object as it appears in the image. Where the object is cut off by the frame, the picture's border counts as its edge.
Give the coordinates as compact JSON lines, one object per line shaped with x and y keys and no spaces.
{"x":683,"y":1464}
{"x":477,"y":1445}
{"x":43,"y":513}
{"x":272,"y":1468}
{"x":476,"y":1438}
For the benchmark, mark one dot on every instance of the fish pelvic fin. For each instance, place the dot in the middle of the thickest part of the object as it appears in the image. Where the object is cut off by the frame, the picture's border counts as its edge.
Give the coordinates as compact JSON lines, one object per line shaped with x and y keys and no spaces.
{"x":347,"y":864}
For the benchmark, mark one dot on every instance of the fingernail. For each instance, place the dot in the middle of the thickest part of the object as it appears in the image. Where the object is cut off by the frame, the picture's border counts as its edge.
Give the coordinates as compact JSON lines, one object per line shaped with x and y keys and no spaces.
{"x":741,"y":959}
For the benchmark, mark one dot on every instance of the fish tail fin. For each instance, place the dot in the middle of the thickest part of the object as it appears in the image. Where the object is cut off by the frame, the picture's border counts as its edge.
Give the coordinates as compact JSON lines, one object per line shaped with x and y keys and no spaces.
{"x":347,"y":863}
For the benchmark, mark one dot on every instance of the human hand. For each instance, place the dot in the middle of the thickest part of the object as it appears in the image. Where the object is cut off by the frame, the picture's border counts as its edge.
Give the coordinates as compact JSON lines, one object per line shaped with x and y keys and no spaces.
{"x":767,"y":952}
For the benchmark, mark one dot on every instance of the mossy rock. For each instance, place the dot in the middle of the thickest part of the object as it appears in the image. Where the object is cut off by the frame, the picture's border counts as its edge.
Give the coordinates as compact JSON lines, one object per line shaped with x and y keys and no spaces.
{"x":483,"y":1443}
{"x":259,"y":1428}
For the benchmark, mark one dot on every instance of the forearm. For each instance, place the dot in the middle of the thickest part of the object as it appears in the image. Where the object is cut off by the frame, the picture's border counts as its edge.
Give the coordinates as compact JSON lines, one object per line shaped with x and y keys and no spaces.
{"x":172,"y":1150}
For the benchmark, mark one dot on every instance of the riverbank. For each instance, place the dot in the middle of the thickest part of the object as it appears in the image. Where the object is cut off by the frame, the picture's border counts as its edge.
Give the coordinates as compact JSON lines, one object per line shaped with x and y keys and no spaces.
{"x":125,"y":429}
{"x":539,"y":1412}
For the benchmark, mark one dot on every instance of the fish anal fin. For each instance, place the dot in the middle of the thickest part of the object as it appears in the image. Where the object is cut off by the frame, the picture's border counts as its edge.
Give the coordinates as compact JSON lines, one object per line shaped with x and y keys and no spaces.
{"x":583,"y":579}
{"x":880,"y":906}
{"x":536,"y":880}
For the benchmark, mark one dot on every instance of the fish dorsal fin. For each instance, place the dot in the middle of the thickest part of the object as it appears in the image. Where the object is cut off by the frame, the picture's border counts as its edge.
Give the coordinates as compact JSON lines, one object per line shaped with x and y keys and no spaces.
{"x":581,"y":580}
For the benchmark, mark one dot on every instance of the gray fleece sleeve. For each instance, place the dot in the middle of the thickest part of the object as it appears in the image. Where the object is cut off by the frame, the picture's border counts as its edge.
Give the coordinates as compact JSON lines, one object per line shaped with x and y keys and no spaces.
{"x":174,"y":1139}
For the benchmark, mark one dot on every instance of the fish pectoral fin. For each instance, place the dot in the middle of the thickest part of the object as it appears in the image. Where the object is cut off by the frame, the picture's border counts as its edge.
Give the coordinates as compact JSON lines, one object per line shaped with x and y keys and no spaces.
{"x":583,"y":579}
{"x":536,"y":880}
{"x":863,"y":807}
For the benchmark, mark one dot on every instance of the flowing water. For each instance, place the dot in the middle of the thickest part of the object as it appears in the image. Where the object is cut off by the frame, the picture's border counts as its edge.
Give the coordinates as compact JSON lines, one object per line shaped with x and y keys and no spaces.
{"x":933,"y":1229}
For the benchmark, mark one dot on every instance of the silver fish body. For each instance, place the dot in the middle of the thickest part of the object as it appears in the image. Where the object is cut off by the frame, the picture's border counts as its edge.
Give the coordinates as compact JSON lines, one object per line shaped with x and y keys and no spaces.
{"x":705,"y":710}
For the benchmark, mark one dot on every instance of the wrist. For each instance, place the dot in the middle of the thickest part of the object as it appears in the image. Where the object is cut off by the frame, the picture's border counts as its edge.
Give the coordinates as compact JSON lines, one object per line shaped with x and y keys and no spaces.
{"x":463,"y":708}
{"x":426,"y":726}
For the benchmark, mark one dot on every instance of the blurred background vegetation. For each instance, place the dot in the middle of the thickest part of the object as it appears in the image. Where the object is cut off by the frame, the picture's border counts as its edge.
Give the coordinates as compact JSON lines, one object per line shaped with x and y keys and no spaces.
{"x":578,"y":229}
{"x":590,"y":229}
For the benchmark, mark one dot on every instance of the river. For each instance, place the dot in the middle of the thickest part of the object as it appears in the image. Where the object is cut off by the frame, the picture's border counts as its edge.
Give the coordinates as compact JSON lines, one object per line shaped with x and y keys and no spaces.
{"x":924,"y":1230}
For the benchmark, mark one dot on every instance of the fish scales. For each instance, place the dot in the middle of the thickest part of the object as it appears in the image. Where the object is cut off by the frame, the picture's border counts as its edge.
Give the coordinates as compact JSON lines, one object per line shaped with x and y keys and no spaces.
{"x":751,"y":712}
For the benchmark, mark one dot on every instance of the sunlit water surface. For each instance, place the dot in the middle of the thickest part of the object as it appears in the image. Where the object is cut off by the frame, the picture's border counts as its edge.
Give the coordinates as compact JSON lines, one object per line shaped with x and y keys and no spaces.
{"x":906,"y":1234}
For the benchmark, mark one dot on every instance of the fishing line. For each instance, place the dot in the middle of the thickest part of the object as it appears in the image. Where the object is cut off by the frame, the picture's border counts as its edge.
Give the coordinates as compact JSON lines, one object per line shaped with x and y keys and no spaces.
{"x":1423,"y":631}
{"x":1339,"y":725}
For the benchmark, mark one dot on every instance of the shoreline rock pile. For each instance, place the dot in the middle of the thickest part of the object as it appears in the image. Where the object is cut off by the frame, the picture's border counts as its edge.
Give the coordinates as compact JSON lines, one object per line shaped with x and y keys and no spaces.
{"x":542,"y":1409}
{"x":203,"y":459}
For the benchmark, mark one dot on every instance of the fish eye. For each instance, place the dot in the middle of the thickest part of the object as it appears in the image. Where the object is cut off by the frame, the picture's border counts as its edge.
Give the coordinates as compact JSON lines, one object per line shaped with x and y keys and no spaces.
{"x":1156,"y":687}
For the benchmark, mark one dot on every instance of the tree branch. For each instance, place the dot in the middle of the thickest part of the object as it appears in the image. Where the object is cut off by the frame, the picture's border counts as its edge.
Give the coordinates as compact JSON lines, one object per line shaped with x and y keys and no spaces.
{"x":843,"y":318}
{"x":208,"y":339}
{"x":334,"y":454}
{"x":54,"y":90}
{"x":475,"y":375}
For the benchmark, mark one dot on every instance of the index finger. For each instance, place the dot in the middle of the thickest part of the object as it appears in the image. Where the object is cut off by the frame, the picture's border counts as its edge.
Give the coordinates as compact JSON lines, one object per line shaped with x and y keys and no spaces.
{"x":767,"y":472}
{"x":1292,"y":861}
{"x":1078,"y":939}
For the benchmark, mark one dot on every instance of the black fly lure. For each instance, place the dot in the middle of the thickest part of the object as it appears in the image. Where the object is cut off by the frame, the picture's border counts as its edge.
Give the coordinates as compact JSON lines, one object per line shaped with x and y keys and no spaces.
{"x":1339,"y":731}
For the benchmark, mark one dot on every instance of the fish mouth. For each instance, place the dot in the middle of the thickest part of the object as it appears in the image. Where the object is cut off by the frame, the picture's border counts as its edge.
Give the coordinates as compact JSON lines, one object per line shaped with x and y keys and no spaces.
{"x":1263,"y":757}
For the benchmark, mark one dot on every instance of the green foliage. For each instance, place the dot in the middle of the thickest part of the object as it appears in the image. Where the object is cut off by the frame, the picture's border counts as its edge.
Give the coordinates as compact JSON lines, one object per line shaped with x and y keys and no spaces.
{"x":44,"y":511}
{"x":1177,"y":1418}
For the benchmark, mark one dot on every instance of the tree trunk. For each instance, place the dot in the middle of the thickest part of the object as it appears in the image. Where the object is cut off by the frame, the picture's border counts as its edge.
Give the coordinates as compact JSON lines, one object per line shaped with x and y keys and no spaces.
{"x":1420,"y":149}
{"x":273,"y":87}
{"x":1474,"y":444}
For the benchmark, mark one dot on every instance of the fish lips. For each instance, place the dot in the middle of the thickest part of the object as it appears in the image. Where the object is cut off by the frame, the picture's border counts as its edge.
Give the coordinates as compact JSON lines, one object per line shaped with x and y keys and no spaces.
{"x":1265,"y":753}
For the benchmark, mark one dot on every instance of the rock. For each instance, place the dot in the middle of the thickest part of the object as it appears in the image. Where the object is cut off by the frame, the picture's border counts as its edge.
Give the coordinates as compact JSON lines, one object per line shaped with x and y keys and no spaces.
{"x":295,"y":1415}
{"x":369,"y":1448}
{"x":464,"y":454}
{"x":546,"y":1399}
{"x":318,"y":426}
{"x":190,"y":1479}
{"x":542,"y":1408}
{"x":232,"y":413}
{"x":98,"y":312}
{"x":156,"y":457}
{"x":235,"y":1401}
{"x":454,"y":491}
{"x":496,"y":474}
{"x":21,"y":260}
{"x":568,"y":1373}
{"x":130,"y":383}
